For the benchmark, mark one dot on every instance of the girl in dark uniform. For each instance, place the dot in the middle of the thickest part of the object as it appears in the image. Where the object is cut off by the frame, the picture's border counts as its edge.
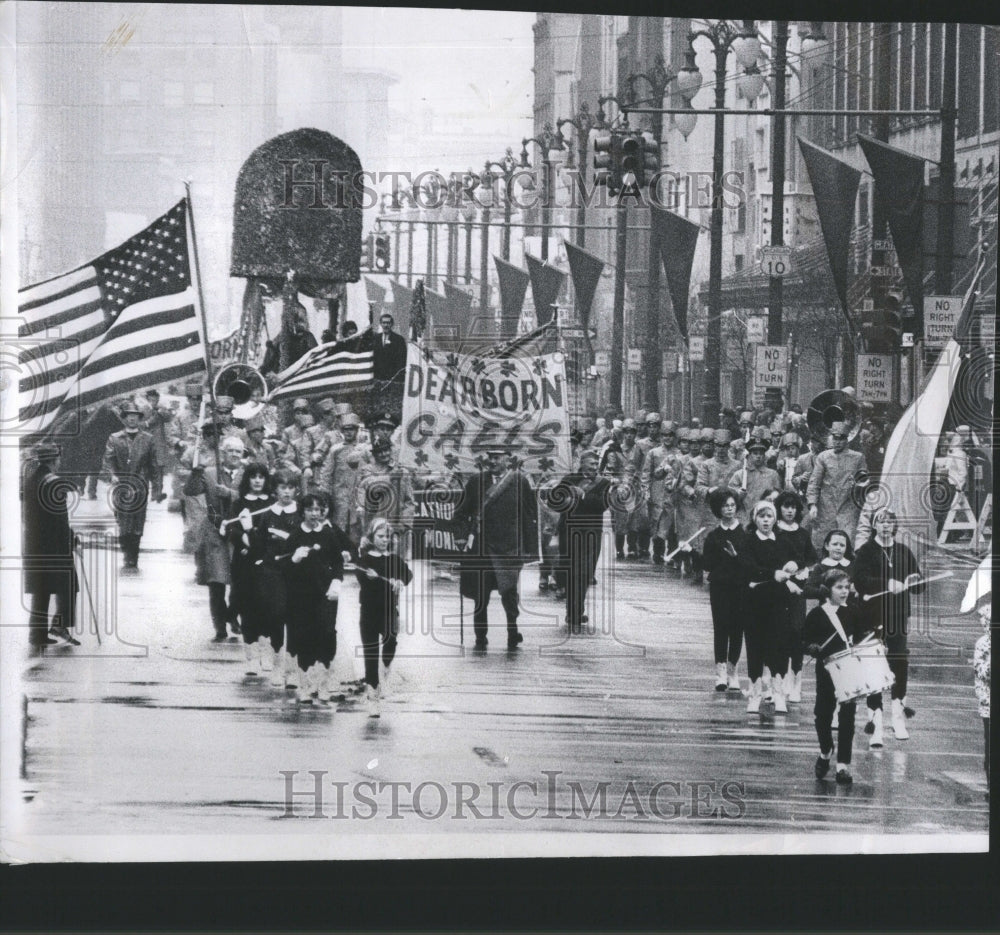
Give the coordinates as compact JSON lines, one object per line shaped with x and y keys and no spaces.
{"x":764,"y":560}
{"x":831,"y":628}
{"x":727,"y":582}
{"x":382,"y":574}
{"x":314,"y":572}
{"x":254,"y":494}
{"x":883,"y":564}
{"x":798,"y":541}
{"x":269,"y":538}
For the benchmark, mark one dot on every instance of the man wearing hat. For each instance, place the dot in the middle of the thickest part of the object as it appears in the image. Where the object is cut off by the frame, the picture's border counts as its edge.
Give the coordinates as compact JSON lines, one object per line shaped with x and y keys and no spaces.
{"x":385,"y":491}
{"x":47,"y":550}
{"x":633,"y":525}
{"x":257,"y":449}
{"x":706,"y":448}
{"x":156,"y":422}
{"x":500,"y":512}
{"x":338,"y":477}
{"x":659,"y":470}
{"x":716,"y":471}
{"x":754,"y":478}
{"x":325,"y":434}
{"x":130,"y":460}
{"x":296,"y":442}
{"x":383,"y":426}
{"x":746,"y":424}
{"x":830,"y":493}
{"x":788,"y":456}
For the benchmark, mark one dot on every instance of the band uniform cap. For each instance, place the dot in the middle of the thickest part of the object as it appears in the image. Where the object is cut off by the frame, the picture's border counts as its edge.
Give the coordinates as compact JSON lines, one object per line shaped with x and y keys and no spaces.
{"x":254,"y":424}
{"x":130,"y":407}
{"x":722,"y":436}
{"x":224,"y":403}
{"x":761,"y":433}
{"x":746,"y":416}
{"x":653,"y":418}
{"x":640,"y":415}
{"x":790,"y":438}
{"x":386,"y":419}
{"x":757,"y":444}
{"x":589,"y":453}
{"x":628,"y":424}
{"x":839,"y":428}
{"x":707,"y":435}
{"x":684,"y":434}
{"x":300,"y":404}
{"x":45,"y":450}
{"x":193,"y":390}
{"x":349,"y":419}
{"x":327,"y":405}
{"x":669,"y":426}
{"x":341,"y":409}
{"x":616,"y":424}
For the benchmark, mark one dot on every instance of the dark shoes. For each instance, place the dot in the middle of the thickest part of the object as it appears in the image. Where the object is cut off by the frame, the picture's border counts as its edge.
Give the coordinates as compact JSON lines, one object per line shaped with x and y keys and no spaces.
{"x":480,"y":643}
{"x":514,"y":640}
{"x":62,"y":635}
{"x":844,"y":778}
{"x":219,"y":637}
{"x":822,"y":766}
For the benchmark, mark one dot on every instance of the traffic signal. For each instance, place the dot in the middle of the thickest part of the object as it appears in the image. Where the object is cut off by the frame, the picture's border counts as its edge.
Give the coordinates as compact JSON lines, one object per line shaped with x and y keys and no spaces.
{"x":883,"y":327}
{"x":650,"y":156}
{"x":368,"y":252}
{"x":632,"y":162}
{"x":605,"y":159}
{"x":383,"y":254}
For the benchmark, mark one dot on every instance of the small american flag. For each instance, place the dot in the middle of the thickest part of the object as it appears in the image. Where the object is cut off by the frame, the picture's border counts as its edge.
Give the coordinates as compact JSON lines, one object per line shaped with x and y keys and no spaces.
{"x":333,"y":366}
{"x":124,"y":322}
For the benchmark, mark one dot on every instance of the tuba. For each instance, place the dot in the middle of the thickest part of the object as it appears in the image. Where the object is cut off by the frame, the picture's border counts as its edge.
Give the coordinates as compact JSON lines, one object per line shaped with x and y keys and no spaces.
{"x":239,"y":381}
{"x":833,"y":406}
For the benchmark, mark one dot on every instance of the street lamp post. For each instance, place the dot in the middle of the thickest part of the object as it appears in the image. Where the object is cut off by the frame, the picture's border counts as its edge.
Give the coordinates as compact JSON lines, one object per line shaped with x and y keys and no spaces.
{"x":507,"y":167}
{"x":546,"y":142}
{"x":724,"y":37}
{"x":583,"y":123}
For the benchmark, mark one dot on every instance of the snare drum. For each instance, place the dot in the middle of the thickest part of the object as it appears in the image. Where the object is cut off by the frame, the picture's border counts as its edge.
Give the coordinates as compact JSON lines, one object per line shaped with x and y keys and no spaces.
{"x":860,"y":671}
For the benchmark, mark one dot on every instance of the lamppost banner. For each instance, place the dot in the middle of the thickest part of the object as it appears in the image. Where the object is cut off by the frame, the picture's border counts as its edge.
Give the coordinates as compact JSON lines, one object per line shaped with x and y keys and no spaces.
{"x":458,"y":407}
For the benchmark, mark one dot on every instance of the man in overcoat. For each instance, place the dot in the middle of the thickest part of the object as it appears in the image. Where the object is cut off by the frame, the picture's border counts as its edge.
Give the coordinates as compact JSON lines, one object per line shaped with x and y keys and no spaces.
{"x":500,"y":510}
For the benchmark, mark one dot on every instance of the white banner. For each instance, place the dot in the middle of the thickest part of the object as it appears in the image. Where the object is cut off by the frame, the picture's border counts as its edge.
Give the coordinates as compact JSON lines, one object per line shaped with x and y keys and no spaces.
{"x":456,"y":408}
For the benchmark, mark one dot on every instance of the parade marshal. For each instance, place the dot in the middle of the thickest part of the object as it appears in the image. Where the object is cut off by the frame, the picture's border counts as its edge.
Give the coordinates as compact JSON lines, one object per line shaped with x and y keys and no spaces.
{"x":500,"y":512}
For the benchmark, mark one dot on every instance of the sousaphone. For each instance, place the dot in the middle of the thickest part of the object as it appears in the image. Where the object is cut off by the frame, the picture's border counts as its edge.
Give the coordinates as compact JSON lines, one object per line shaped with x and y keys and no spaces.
{"x":239,"y":382}
{"x":833,"y":406}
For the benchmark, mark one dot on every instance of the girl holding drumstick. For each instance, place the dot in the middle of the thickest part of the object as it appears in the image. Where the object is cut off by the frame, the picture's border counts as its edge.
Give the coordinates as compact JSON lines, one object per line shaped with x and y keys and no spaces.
{"x":887,"y":572}
{"x":831,"y":628}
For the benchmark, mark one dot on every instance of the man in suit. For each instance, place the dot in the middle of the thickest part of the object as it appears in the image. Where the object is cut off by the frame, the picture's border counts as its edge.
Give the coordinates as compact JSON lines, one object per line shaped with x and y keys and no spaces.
{"x":501,"y":512}
{"x":155,"y":422}
{"x":130,"y":459}
{"x":389,"y":362}
{"x":47,"y":549}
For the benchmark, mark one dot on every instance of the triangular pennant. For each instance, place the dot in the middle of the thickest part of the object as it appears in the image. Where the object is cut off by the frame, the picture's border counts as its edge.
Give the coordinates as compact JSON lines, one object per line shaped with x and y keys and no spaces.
{"x":546,"y":281}
{"x":513,"y":286}
{"x":835,"y":188}
{"x":375,"y":293}
{"x":899,"y":177}
{"x":678,"y":238}
{"x":402,"y":302}
{"x":585,"y":270}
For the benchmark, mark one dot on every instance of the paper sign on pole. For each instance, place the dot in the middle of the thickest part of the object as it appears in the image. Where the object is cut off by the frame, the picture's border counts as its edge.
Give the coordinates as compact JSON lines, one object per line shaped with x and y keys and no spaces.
{"x":634,"y":360}
{"x":941,"y":313}
{"x":771,"y":366}
{"x":602,"y":362}
{"x":875,"y":378}
{"x":696,"y":347}
{"x":756,"y":330}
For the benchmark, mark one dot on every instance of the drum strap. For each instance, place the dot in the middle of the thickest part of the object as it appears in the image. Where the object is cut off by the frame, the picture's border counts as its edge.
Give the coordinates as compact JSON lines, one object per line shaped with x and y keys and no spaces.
{"x":837,"y":625}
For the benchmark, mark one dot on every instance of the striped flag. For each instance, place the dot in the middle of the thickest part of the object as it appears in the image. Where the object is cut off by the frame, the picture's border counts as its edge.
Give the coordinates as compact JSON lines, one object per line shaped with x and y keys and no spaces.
{"x":124,"y":322}
{"x":328,"y":367}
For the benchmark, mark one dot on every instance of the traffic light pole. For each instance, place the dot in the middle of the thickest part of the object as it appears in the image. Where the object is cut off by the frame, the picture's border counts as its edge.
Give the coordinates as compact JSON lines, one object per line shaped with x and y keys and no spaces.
{"x":618,"y":319}
{"x":653,"y":363}
{"x":774,"y":289}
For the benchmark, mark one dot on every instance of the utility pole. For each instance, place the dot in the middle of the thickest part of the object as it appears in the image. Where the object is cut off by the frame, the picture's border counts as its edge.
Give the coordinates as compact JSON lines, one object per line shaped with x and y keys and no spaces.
{"x":484,"y":262}
{"x":946,"y":179}
{"x":883,"y":101}
{"x":618,"y":319}
{"x":772,"y":397}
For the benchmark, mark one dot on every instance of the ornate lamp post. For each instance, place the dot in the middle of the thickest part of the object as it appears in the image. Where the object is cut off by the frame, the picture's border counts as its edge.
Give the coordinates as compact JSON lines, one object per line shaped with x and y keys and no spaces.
{"x":504,"y":169}
{"x":546,"y":143}
{"x":583,"y":123}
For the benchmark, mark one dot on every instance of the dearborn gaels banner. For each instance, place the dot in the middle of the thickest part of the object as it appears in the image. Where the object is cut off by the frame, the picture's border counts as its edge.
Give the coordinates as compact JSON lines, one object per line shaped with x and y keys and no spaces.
{"x":458,"y":407}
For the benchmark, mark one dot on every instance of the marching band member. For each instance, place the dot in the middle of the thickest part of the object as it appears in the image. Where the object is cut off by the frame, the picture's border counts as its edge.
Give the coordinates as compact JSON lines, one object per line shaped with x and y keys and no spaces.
{"x":254,"y":496}
{"x":658,"y":473}
{"x":269,"y":537}
{"x":803,"y":555}
{"x":382,"y":574}
{"x":727,"y":582}
{"x":688,"y":498}
{"x":831,"y":628}
{"x":764,"y":558}
{"x":314,"y":571}
{"x":887,"y":573}
{"x":753,"y":478}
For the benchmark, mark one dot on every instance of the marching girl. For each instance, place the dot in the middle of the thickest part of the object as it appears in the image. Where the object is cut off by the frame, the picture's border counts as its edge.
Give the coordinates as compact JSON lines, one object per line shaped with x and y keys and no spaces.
{"x":803,"y":555}
{"x":689,"y":513}
{"x":269,"y":538}
{"x":382,"y":574}
{"x":254,"y":495}
{"x":727,"y":582}
{"x":886,"y":572}
{"x":837,"y":555}
{"x":765,"y":559}
{"x":832,"y":627}
{"x":314,"y":572}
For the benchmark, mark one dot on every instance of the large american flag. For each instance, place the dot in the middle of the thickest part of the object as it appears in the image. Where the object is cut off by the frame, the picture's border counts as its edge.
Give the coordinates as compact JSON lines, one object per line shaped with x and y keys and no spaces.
{"x":124,"y":322}
{"x":338,"y":365}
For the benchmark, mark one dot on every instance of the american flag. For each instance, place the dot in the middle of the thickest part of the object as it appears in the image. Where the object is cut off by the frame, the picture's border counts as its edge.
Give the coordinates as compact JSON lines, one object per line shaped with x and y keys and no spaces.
{"x":337,"y":365}
{"x":124,"y":322}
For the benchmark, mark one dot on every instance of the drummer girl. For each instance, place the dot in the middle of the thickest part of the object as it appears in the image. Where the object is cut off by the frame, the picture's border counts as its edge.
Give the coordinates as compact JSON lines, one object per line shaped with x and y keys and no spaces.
{"x":886,"y":572}
{"x":830,"y":628}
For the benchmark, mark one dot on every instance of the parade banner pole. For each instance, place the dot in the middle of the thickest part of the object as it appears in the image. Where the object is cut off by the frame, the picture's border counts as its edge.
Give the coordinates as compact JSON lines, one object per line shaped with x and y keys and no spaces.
{"x":193,"y":244}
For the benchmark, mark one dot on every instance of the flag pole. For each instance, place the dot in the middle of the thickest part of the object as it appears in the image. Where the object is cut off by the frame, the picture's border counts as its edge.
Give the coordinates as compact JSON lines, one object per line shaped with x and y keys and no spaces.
{"x":204,"y":324}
